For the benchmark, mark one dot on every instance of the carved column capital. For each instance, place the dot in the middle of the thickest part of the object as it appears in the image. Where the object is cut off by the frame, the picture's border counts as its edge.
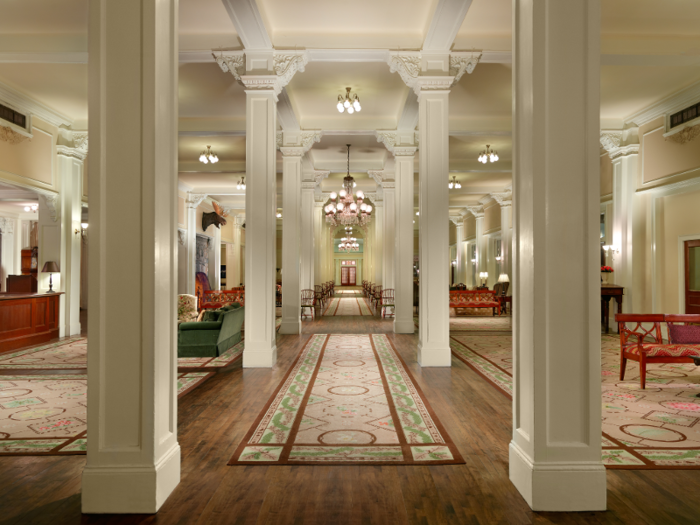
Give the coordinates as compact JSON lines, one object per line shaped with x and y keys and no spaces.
{"x":292,"y":151}
{"x":181,"y":236}
{"x":503,"y":198}
{"x":476,"y":211}
{"x":319,"y":175}
{"x":7,"y":226}
{"x":461,"y":63}
{"x":195,"y":199}
{"x":405,"y":151}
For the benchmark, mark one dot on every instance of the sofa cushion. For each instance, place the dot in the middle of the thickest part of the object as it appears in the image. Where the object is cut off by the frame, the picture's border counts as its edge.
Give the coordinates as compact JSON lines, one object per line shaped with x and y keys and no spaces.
{"x":657,"y":350}
{"x":230,"y":335}
{"x":684,"y":334}
{"x":202,"y":325}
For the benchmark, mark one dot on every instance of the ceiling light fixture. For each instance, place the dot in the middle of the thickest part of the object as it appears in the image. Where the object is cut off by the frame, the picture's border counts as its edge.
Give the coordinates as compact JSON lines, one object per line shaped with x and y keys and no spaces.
{"x":208,"y":156}
{"x":351,"y":102}
{"x":31,"y":207}
{"x":348,"y":210}
{"x":454,"y":184}
{"x":241,"y":184}
{"x":488,"y":155}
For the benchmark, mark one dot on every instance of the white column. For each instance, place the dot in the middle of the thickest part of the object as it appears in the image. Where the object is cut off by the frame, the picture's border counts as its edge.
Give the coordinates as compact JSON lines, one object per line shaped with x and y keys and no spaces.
{"x":481,"y":245}
{"x":49,"y":242}
{"x":403,"y":284}
{"x":291,"y":240}
{"x":192,"y":202}
{"x":233,"y":254}
{"x":378,"y":241}
{"x":389,"y":234}
{"x":133,"y":457}
{"x":459,"y":269}
{"x":319,"y":226}
{"x":215,"y":259}
{"x":260,"y":254}
{"x":555,"y":454}
{"x":507,"y":241}
{"x":307,"y":240}
{"x":625,"y":165}
{"x":9,"y":234}
{"x":433,"y":124}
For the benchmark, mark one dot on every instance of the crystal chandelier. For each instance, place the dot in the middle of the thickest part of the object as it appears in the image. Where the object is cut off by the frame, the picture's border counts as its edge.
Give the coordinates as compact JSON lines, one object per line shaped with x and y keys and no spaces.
{"x":488,"y":155}
{"x":351,"y":102}
{"x":454,"y":183}
{"x":348,"y":243}
{"x":208,"y":156}
{"x":348,"y":210}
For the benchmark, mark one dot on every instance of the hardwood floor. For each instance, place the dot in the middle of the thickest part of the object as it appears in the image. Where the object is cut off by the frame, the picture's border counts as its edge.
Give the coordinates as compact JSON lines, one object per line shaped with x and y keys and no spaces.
{"x":215,"y":417}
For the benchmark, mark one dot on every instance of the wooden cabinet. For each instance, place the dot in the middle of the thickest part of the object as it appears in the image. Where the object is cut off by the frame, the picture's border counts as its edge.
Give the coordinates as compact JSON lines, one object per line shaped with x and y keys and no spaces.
{"x":28,"y":319}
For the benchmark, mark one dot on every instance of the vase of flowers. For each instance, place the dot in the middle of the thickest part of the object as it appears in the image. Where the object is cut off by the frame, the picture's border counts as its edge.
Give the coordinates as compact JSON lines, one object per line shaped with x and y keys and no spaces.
{"x":605,"y":271}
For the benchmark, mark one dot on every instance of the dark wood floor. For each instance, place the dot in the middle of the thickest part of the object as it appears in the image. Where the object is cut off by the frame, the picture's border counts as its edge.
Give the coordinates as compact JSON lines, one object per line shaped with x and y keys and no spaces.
{"x":215,"y":417}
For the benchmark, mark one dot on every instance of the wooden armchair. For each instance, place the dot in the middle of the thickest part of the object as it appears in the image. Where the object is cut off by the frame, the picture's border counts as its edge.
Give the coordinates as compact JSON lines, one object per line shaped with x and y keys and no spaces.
{"x":377,"y":296}
{"x":320,"y":297}
{"x":308,"y":302}
{"x":387,"y":302}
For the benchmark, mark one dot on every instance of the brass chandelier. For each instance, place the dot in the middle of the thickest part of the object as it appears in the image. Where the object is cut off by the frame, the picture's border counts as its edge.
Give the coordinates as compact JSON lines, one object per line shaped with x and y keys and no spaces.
{"x":348,"y":210}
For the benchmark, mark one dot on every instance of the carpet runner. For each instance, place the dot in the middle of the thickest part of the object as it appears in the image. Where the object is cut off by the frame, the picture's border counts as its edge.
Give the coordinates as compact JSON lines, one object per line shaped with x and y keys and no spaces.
{"x":348,"y":306}
{"x":501,"y":324}
{"x":47,"y":414}
{"x":655,"y":428}
{"x":347,"y":400}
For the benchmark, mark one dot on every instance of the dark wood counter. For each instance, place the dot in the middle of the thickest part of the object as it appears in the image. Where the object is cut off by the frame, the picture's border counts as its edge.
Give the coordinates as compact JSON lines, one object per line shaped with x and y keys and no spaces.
{"x":28,"y":319}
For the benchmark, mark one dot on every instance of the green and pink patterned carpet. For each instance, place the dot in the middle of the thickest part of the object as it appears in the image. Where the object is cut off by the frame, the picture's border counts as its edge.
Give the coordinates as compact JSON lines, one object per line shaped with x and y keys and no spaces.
{"x":658,"y":427}
{"x":348,"y":306}
{"x":47,"y":414}
{"x":347,"y":400}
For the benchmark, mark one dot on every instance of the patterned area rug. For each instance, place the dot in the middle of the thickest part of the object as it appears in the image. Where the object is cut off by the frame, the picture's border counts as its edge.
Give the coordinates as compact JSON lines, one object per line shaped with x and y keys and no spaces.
{"x":72,"y":355}
{"x":348,"y":306}
{"x":47,"y":414}
{"x":655,"y":428}
{"x":347,"y":399}
{"x":349,"y":293}
{"x":479,"y":323}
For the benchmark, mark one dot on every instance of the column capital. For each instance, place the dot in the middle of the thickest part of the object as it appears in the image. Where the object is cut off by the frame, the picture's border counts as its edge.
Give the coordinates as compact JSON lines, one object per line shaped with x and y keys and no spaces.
{"x":239,"y":220}
{"x":73,"y":144}
{"x":389,"y":185}
{"x":284,"y":65}
{"x":304,"y":139}
{"x":620,"y":143}
{"x":476,"y":211}
{"x":409,"y":65}
{"x":456,"y":220}
{"x":195,"y":199}
{"x":308,"y":185}
{"x":319,"y":175}
{"x":181,"y":236}
{"x":463,"y":62}
{"x":393,"y":139}
{"x":291,"y":151}
{"x":7,"y":225}
{"x":624,"y":151}
{"x":503,"y":198}
{"x":405,"y":151}
{"x":376,"y":175}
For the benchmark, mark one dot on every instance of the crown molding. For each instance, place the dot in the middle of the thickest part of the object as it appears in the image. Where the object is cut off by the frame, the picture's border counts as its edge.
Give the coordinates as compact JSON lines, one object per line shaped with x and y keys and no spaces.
{"x":476,"y":211}
{"x":26,"y":104}
{"x":670,"y":104}
{"x":461,"y":63}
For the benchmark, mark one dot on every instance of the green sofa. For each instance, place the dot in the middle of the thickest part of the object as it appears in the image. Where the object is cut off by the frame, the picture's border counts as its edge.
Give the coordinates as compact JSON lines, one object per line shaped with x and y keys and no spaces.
{"x":218,"y":331}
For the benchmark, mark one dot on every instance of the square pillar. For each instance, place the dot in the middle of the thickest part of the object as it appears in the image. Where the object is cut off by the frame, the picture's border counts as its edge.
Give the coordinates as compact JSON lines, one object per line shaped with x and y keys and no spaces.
{"x":434,"y":253}
{"x":291,"y":239}
{"x":389,"y":234}
{"x":261,"y":221}
{"x":555,"y":454}
{"x":192,"y":202}
{"x":215,"y":258}
{"x":307,"y":237}
{"x":507,"y":240}
{"x":459,"y":269}
{"x":378,"y":241}
{"x":319,"y":241}
{"x":403,"y":278}
{"x":133,"y":456}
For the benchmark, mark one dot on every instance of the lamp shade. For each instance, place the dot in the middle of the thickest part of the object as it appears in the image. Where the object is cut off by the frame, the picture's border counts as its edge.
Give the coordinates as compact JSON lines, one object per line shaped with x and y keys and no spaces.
{"x":50,"y":267}
{"x":503,"y":278}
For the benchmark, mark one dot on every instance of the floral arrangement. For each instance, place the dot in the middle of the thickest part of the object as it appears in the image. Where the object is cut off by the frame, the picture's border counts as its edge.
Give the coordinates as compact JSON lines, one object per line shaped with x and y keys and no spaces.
{"x":606,"y":269}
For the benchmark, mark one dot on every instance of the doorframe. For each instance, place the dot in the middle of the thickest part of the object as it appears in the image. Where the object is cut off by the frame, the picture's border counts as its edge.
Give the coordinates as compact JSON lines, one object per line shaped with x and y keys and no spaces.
{"x":681,"y":268}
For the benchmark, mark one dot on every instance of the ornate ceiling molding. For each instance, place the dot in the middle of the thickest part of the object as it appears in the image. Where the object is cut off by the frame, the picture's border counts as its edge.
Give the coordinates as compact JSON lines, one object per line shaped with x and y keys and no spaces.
{"x":195,"y":199}
{"x":279,"y":137}
{"x":310,"y":137}
{"x":285,"y":64}
{"x":388,"y":138}
{"x":320,"y":175}
{"x":504,"y":199}
{"x":231,"y":62}
{"x":686,"y":135}
{"x":632,"y":149}
{"x":11,"y":136}
{"x":377,"y":176}
{"x":7,"y":226}
{"x":610,"y":140}
{"x":407,"y":65}
{"x":405,"y":151}
{"x":476,"y":211}
{"x":292,"y":151}
{"x":461,"y":63}
{"x":457,"y":220}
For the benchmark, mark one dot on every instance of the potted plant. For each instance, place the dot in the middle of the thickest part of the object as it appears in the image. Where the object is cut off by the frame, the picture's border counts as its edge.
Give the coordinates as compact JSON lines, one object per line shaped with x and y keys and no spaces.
{"x":604,"y":271}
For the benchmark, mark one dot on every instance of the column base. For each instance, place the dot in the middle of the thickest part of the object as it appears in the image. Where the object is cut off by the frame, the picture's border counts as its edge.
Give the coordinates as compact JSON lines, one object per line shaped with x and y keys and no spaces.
{"x":291,"y":326}
{"x":130,"y":490}
{"x":434,"y":356}
{"x":74,"y":329}
{"x":404,"y":326}
{"x":257,"y":357}
{"x":559,"y":486}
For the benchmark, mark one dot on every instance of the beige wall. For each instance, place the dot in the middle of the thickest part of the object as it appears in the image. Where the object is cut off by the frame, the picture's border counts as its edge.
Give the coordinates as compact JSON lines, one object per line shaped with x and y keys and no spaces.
{"x":664,"y":157}
{"x":606,"y":175}
{"x":453,"y":233}
{"x":227,"y":230}
{"x":469,"y":227}
{"x":680,"y":218}
{"x":31,"y":162}
{"x":492,"y":217}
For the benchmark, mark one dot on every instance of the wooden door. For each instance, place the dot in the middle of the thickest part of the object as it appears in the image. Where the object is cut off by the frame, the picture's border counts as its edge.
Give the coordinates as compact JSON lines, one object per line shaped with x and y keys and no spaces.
{"x":344,"y":275}
{"x":351,"y":276}
{"x":692,"y":277}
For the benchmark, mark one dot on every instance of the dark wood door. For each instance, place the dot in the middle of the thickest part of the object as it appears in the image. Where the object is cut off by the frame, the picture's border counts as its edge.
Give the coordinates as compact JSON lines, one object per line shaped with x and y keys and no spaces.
{"x":692,"y":277}
{"x":344,"y":275}
{"x":351,"y":276}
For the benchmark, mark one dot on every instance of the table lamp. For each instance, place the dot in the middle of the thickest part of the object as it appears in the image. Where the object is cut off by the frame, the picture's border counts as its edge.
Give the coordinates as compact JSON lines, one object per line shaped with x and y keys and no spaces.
{"x":50,"y":267}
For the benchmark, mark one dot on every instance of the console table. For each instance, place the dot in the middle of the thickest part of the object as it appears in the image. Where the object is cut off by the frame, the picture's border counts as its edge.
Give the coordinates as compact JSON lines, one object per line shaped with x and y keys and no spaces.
{"x":28,"y":319}
{"x":607,"y":292}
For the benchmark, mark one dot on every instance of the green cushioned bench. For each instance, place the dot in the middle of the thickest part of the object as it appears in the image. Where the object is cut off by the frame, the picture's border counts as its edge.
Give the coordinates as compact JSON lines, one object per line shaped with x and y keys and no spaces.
{"x":218,"y":331}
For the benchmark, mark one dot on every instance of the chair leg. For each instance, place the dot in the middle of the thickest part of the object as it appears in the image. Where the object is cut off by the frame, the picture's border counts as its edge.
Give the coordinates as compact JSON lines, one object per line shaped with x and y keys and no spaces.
{"x":642,"y":371}
{"x":623,"y":366}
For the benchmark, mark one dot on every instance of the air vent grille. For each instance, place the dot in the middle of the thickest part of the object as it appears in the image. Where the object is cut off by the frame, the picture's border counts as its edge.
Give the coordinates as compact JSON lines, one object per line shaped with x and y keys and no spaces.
{"x":685,"y":115}
{"x":12,"y":116}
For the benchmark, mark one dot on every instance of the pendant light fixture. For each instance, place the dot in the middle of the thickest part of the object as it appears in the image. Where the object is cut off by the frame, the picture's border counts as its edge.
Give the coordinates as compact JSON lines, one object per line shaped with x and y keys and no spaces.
{"x":488,"y":155}
{"x":208,"y":156}
{"x":345,"y":209}
{"x":241,"y":184}
{"x":351,"y":102}
{"x":454,"y":183}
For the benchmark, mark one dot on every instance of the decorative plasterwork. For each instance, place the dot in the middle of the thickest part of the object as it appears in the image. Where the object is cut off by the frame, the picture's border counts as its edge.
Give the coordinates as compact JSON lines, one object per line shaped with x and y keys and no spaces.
{"x":456,"y":220}
{"x":462,"y":63}
{"x":195,"y":199}
{"x":239,"y":220}
{"x":503,"y":198}
{"x":632,"y":149}
{"x":686,"y":135}
{"x":308,"y":138}
{"x":476,"y":211}
{"x":432,"y":84}
{"x":292,"y":151}
{"x":388,"y":184}
{"x":7,"y":226}
{"x":610,"y":140}
{"x":71,"y":152}
{"x":377,"y":175}
{"x":181,"y":236}
{"x":51,"y":201}
{"x":388,"y":138}
{"x":406,"y":65}
{"x":308,"y":185}
{"x":279,"y":139}
{"x":80,"y":141}
{"x":286,"y":64}
{"x":404,"y":151}
{"x":11,"y":136}
{"x":231,"y":62}
{"x":320,"y":175}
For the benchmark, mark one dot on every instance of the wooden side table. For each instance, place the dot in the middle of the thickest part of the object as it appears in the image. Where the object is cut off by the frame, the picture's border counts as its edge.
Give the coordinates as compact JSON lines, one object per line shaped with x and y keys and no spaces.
{"x":607,"y":292}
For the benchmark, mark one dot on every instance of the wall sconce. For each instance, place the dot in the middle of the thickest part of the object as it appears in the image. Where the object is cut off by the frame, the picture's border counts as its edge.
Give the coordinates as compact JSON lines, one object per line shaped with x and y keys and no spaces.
{"x":82,"y":231}
{"x":483,"y":276}
{"x":612,"y":249}
{"x":454,"y":263}
{"x":499,"y":258}
{"x":473,"y":261}
{"x":32,"y":208}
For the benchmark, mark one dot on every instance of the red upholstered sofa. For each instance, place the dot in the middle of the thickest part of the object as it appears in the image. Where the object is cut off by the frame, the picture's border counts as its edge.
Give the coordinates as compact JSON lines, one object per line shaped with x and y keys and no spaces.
{"x":641,"y":340}
{"x":475,"y":299}
{"x":217,"y":298}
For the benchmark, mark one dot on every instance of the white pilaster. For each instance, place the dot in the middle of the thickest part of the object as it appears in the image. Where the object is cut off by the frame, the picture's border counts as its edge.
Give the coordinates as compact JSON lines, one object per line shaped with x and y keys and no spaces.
{"x":291,"y":240}
{"x":192,"y":202}
{"x":507,"y":240}
{"x":307,"y":236}
{"x":555,"y":454}
{"x":260,"y":254}
{"x":133,"y":457}
{"x":481,"y":243}
{"x":319,"y":242}
{"x":233,"y":254}
{"x":433,"y":333}
{"x":215,"y":258}
{"x":49,"y":241}
{"x":459,"y":269}
{"x":389,"y":234}
{"x":378,"y":241}
{"x":403,"y":321}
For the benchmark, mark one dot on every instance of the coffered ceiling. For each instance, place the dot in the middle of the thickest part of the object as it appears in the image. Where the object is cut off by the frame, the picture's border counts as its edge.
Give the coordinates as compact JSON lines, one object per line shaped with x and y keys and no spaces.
{"x":650,"y":50}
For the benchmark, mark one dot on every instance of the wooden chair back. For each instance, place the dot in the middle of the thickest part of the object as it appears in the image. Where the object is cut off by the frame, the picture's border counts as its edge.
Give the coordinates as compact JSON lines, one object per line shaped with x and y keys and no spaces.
{"x":631,"y":326}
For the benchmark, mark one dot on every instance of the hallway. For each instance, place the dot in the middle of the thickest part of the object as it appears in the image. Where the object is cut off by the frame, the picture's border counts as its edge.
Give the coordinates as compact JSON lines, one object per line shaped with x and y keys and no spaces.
{"x":214,"y":418}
